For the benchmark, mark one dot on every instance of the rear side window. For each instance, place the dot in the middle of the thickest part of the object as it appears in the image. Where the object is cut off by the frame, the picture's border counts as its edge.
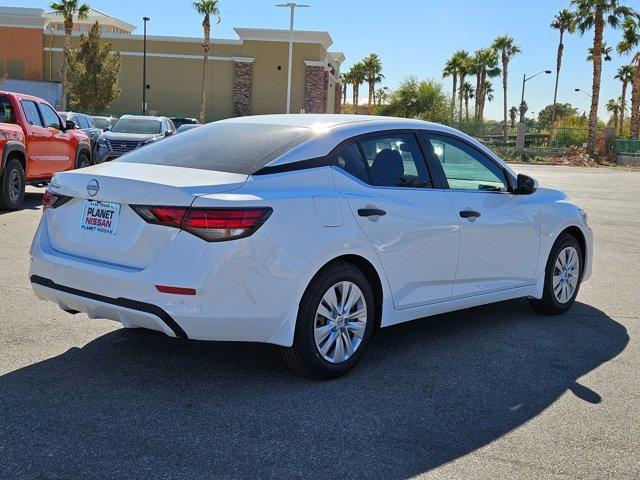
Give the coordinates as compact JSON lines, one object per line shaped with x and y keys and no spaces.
{"x":350,"y":160}
{"x":393,"y":160}
{"x":7,"y":115}
{"x":31,"y":112}
{"x":242,"y":148}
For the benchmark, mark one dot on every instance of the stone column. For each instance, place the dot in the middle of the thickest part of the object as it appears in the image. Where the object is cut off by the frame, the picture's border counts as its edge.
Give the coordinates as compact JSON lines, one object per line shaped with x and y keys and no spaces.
{"x":242,"y":88}
{"x":316,"y":89}
{"x":337,"y":99}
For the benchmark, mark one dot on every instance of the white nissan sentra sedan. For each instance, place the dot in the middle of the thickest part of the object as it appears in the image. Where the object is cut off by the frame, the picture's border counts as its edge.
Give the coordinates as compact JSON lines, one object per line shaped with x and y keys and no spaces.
{"x":305,"y":231}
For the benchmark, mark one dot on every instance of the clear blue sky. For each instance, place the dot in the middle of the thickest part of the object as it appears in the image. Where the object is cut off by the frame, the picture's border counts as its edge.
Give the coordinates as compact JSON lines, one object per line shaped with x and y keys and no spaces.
{"x":411,"y":36}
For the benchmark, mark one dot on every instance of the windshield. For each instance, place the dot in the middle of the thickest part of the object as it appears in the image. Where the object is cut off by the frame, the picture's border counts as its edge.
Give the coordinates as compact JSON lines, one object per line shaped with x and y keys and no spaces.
{"x":100,"y":122}
{"x":137,"y":125}
{"x":225,"y":147}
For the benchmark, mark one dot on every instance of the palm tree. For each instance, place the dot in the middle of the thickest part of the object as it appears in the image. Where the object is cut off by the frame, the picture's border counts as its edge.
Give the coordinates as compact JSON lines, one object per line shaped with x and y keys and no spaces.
{"x":68,"y":9}
{"x":487,"y":91}
{"x":468,"y":91}
{"x":564,"y":21}
{"x":523,"y":110}
{"x":513,"y":113}
{"x":208,"y":9}
{"x":507,"y":48}
{"x":373,"y":73}
{"x":631,"y":40}
{"x":382,"y":94}
{"x":596,"y":14}
{"x":625,"y":75}
{"x":345,"y":81}
{"x":484,"y":64}
{"x":605,"y":51}
{"x":465,"y":68}
{"x":358,"y":76}
{"x":452,"y":69}
{"x":613,"y":108}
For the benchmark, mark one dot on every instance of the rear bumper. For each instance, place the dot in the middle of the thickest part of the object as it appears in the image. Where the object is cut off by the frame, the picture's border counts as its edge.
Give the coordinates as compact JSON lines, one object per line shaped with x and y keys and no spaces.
{"x":247,"y":290}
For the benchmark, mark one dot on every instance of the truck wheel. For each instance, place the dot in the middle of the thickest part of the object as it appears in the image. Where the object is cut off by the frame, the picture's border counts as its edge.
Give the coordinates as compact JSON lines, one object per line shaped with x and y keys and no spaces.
{"x":13,"y":183}
{"x":83,"y":160}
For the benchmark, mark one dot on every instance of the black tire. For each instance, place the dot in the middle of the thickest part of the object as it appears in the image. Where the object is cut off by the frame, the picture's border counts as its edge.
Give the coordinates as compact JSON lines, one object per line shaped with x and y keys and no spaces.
{"x":83,"y":160}
{"x":13,"y":185}
{"x":549,"y":304}
{"x":303,"y":356}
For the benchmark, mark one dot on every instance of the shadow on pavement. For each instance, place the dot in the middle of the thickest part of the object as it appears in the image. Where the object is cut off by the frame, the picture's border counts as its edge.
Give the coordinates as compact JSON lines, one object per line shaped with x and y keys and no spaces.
{"x":32,"y":201}
{"x":137,"y":404}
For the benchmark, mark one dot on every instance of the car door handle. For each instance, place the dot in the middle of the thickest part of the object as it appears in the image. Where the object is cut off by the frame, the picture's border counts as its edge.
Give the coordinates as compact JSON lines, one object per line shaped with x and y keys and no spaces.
{"x":370,"y":212}
{"x":469,"y":214}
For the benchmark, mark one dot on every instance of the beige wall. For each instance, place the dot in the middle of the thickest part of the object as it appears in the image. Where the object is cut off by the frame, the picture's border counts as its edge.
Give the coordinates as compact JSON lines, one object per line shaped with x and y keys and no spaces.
{"x":175,"y":83}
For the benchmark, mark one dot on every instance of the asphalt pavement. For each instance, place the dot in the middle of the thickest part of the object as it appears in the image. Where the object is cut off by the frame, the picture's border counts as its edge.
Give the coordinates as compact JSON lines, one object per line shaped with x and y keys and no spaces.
{"x":492,"y":392}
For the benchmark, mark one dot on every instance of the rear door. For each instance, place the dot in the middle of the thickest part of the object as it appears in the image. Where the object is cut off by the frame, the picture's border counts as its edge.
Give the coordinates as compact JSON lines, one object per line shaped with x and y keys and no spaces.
{"x":62,"y":152}
{"x":38,"y":139}
{"x":500,"y":231}
{"x":409,"y":222}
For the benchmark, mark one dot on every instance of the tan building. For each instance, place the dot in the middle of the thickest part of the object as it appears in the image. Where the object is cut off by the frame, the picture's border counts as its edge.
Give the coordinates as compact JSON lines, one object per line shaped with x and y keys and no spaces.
{"x":246,"y":75}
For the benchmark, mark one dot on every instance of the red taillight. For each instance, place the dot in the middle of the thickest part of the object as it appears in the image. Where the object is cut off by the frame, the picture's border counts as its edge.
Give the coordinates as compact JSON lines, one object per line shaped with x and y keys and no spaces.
{"x":210,"y":224}
{"x":53,"y":200}
{"x":176,"y":290}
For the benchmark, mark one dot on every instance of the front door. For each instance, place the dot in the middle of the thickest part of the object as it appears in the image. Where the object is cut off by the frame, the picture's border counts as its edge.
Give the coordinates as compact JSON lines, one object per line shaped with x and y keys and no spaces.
{"x":38,"y":140}
{"x":410,"y":224}
{"x":500,"y":231}
{"x":61,"y":152}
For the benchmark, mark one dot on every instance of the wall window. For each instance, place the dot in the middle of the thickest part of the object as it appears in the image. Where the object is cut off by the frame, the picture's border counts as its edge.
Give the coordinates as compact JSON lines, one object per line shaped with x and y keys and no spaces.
{"x":464,"y":167}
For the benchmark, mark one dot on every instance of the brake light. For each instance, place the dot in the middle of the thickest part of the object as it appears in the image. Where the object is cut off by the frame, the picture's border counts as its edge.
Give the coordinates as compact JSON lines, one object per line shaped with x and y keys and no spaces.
{"x":210,"y":224}
{"x":53,"y":200}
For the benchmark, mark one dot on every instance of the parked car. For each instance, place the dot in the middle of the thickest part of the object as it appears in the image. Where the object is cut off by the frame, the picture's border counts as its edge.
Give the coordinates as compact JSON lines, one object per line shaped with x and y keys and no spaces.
{"x":311,"y":236}
{"x":186,"y":127}
{"x":179,"y":121}
{"x":35,"y":144}
{"x":85,"y":123}
{"x":104,"y":123}
{"x":131,"y":132}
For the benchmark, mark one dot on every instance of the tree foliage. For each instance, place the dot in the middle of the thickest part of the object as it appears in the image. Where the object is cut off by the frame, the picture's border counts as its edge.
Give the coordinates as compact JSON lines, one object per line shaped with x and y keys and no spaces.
{"x":563,"y":110}
{"x":424,"y":99}
{"x":94,"y":74}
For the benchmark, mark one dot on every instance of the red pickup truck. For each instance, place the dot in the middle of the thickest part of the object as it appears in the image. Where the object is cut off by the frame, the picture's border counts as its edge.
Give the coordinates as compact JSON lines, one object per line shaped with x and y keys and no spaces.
{"x":35,"y":143}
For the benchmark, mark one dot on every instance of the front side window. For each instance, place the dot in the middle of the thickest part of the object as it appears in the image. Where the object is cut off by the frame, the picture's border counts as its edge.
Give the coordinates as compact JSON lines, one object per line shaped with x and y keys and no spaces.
{"x":464,"y":167}
{"x":31,"y":112}
{"x":395,"y":161}
{"x":50,"y":117}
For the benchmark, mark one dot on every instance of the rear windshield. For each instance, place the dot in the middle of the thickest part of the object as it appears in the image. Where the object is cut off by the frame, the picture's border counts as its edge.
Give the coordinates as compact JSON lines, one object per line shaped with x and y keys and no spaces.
{"x":136,"y":125}
{"x":242,"y":148}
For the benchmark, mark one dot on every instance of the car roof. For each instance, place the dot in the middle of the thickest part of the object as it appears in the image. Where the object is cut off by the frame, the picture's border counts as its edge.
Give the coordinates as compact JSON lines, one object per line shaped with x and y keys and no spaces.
{"x":143,"y":117}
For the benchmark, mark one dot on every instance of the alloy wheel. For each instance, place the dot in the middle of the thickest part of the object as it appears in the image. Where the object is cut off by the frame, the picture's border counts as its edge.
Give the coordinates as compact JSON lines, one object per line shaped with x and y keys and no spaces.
{"x":14,"y":186}
{"x":565,"y":274}
{"x":340,"y":322}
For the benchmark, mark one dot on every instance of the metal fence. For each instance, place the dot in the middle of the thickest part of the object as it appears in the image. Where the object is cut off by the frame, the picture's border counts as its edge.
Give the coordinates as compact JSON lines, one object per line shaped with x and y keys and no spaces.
{"x":535,"y":137}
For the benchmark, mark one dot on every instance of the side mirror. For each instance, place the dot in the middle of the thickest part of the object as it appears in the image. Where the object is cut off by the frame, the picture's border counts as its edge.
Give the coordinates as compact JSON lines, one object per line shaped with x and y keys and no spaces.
{"x":168,"y":133}
{"x":70,"y":125}
{"x":107,"y":128}
{"x":525,"y":185}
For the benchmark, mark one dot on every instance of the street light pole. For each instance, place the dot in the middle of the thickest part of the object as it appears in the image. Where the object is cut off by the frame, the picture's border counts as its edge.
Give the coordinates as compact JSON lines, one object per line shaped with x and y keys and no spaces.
{"x":588,"y":94}
{"x":525,"y":79}
{"x":292,"y":6}
{"x":144,"y":67}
